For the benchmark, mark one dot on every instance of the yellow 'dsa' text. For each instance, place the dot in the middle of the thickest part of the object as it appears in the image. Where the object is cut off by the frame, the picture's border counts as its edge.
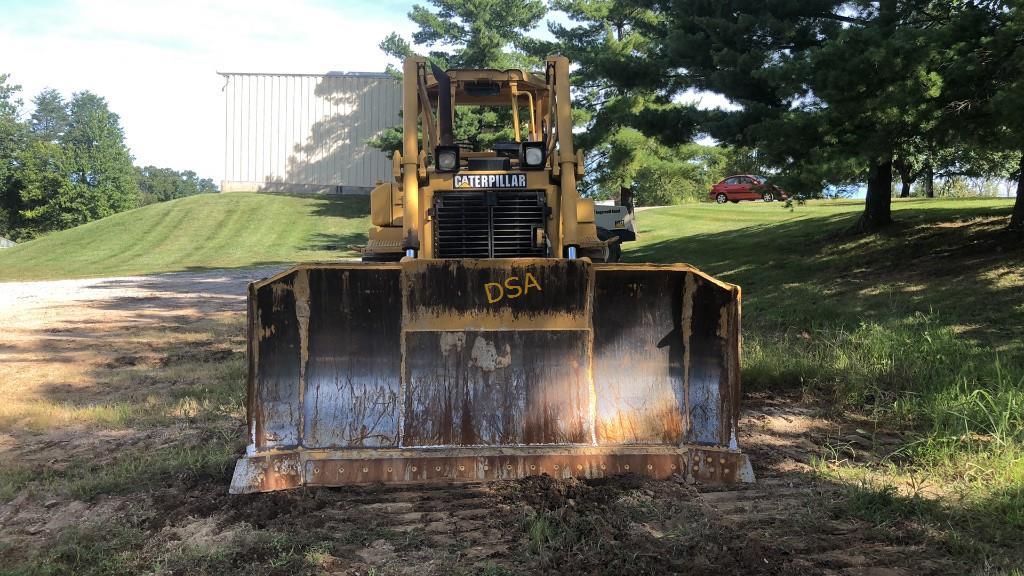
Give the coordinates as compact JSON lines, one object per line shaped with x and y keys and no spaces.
{"x":513,"y":288}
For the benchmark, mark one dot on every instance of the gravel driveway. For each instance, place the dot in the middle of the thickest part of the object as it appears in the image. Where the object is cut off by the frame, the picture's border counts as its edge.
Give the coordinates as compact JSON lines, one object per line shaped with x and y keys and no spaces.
{"x":23,"y":304}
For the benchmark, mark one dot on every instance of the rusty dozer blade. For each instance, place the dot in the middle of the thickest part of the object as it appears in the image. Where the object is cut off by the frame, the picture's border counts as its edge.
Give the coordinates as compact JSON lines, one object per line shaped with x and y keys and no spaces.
{"x":469,"y":370}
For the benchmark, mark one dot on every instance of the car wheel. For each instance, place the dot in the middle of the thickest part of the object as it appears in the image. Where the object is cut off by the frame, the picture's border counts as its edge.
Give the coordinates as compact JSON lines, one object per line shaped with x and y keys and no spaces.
{"x":769,"y":197}
{"x":721,"y":198}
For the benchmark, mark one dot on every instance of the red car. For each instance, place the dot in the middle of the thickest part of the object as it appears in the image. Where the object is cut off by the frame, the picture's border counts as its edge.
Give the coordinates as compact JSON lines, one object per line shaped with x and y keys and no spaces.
{"x":745,"y":187}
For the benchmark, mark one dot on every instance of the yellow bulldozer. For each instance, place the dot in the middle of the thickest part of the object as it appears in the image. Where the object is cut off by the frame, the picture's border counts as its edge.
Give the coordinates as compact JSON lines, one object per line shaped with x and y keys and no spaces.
{"x":488,"y":333}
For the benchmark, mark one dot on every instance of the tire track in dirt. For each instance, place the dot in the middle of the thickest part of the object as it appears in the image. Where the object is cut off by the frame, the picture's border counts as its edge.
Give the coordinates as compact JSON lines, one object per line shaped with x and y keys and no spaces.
{"x":394,"y":529}
{"x":787,"y":512}
{"x":805,"y":513}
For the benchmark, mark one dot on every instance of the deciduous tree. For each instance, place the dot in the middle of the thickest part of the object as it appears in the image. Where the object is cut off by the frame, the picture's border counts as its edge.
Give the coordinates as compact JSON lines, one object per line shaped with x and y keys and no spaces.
{"x":50,"y":118}
{"x":162,"y":184}
{"x":11,"y":143}
{"x":86,"y":174}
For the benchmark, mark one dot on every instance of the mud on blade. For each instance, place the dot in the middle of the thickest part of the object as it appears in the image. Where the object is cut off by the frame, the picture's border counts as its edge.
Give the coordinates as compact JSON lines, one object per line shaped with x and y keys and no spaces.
{"x":439,"y":370}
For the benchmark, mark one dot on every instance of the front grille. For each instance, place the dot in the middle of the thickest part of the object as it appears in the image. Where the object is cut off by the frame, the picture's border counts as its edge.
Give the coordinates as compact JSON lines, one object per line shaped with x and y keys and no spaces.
{"x":488,"y":224}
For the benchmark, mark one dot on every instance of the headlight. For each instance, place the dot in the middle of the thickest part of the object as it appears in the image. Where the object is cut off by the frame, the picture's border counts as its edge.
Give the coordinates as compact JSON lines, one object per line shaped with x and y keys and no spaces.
{"x":533,"y":154}
{"x":446,"y":158}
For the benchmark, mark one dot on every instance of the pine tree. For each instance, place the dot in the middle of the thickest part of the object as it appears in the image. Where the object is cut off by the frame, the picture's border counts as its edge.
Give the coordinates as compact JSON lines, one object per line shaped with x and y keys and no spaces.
{"x":815,"y":83}
{"x":470,"y":34}
{"x":478,"y":33}
{"x":602,"y":34}
{"x":989,"y":53}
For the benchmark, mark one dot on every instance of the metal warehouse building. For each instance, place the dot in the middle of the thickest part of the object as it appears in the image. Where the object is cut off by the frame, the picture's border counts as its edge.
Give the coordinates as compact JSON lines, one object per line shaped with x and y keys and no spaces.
{"x":306,"y":132}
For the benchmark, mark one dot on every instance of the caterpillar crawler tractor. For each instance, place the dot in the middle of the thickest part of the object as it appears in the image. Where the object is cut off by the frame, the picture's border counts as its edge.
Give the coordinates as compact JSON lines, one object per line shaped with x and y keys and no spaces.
{"x":485,"y":335}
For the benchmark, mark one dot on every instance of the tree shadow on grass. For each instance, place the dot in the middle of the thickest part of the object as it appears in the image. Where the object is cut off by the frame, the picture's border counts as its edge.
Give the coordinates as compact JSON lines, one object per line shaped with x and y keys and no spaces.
{"x":955,"y":263}
{"x":332,"y":205}
{"x":344,"y":244}
{"x":355,"y":208}
{"x":343,"y":207}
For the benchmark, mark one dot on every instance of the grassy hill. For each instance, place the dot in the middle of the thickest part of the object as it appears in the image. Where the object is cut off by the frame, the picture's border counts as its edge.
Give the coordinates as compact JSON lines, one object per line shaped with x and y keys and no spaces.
{"x":242,"y":229}
{"x":206,"y":231}
{"x":943,"y":257}
{"x":917,"y":331}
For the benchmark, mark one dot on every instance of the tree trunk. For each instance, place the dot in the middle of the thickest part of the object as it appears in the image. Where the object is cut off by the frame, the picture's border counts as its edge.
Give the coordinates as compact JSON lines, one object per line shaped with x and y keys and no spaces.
{"x":878,"y":203}
{"x":1017,"y":218}
{"x":626,"y":198}
{"x":906,"y":178}
{"x":929,"y":181}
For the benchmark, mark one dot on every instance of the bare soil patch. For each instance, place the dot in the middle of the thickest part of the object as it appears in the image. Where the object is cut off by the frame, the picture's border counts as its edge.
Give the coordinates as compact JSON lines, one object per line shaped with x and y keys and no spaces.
{"x":113,"y":391}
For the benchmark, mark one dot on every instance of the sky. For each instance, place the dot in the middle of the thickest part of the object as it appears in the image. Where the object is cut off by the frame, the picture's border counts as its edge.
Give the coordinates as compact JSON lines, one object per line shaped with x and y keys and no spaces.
{"x":156,"y":62}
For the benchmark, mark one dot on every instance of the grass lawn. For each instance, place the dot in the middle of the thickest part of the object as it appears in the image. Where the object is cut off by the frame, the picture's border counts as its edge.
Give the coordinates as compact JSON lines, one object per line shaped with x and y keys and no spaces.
{"x":919,"y":328}
{"x":198,"y":232}
{"x":946,"y":259}
{"x":916,"y":333}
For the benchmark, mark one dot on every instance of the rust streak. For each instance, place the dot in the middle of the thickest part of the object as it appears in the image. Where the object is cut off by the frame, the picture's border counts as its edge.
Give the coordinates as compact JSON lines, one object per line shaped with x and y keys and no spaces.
{"x":300,"y":288}
{"x":689,"y":290}
{"x":591,"y":386}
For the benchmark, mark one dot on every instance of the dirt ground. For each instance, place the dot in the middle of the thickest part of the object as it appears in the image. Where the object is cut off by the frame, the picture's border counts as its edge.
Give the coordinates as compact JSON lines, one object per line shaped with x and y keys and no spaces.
{"x":121,"y":415}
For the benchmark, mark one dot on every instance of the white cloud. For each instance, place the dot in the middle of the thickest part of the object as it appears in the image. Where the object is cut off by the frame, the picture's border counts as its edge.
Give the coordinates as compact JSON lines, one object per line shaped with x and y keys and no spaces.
{"x":156,"y":62}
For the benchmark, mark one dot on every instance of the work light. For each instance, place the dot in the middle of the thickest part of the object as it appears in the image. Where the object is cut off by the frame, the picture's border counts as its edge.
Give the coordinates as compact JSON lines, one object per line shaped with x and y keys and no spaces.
{"x":533,"y":155}
{"x":446,"y":158}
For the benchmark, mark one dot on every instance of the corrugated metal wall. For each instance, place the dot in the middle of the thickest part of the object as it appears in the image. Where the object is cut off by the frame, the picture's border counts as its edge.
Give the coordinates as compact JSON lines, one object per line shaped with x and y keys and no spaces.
{"x":306,"y":132}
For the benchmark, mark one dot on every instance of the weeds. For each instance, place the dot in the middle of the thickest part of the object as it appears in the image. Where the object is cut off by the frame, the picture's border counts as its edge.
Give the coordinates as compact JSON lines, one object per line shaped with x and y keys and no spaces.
{"x":881,"y":505}
{"x":967,"y":405}
{"x":13,"y":478}
{"x":986,"y":529}
{"x":932,"y":347}
{"x":137,"y":471}
{"x":127,"y":472}
{"x":100,"y":550}
{"x":916,"y":371}
{"x":90,"y":550}
{"x":539,"y":533}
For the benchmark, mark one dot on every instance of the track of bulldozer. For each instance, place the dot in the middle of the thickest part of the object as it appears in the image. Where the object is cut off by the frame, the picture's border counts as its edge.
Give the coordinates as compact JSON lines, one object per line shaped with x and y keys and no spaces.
{"x":786,"y":524}
{"x":772,"y":510}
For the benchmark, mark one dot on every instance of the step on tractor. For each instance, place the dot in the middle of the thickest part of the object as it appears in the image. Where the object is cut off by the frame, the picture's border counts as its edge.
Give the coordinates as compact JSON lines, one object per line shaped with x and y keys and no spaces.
{"x":489,"y":332}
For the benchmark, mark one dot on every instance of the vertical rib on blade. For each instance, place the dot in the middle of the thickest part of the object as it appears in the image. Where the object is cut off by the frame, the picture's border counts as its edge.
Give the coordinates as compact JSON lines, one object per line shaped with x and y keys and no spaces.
{"x":666,"y":349}
{"x":479,"y":369}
